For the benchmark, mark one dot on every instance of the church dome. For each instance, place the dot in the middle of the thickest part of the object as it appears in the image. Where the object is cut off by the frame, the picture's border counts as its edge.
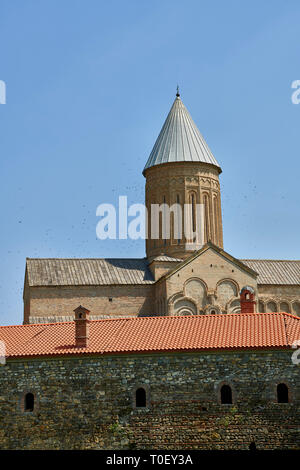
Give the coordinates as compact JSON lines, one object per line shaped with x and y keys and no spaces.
{"x":180,"y":140}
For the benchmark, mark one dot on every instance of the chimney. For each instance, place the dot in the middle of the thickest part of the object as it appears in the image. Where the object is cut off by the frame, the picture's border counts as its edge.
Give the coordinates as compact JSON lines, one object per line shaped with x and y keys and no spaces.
{"x":247,"y":299}
{"x":82,"y":327}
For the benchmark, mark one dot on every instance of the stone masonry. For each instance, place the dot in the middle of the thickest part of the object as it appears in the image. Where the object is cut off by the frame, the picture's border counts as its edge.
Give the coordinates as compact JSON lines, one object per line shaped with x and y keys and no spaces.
{"x":89,"y":402}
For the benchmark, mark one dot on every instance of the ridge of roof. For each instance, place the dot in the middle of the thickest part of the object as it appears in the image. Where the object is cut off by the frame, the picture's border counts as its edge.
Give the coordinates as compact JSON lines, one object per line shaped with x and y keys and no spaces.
{"x":268,"y":259}
{"x":145,"y":259}
{"x":155,"y":334}
{"x":157,"y":317}
{"x":88,"y":259}
{"x":130,"y":271}
{"x":166,"y":258}
{"x":88,"y":271}
{"x":276,"y":272}
{"x":202,"y":250}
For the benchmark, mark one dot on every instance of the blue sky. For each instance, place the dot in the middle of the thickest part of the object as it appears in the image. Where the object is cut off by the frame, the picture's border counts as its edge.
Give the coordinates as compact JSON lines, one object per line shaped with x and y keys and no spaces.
{"x":89,"y":84}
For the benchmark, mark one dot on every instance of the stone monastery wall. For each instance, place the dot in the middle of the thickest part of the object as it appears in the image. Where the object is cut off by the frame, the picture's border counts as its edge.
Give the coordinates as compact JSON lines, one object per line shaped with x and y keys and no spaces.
{"x":90,"y":402}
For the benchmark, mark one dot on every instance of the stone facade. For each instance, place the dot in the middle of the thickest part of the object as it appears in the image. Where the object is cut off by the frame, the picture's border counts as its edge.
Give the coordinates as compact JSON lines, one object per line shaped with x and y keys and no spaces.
{"x":184,"y":183}
{"x":89,"y":402}
{"x":57,"y":303}
{"x":279,"y":299}
{"x":208,"y":281}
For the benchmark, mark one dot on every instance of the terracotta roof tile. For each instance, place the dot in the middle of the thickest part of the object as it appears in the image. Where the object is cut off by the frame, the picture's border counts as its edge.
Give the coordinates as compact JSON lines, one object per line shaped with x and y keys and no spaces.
{"x":201,"y":332}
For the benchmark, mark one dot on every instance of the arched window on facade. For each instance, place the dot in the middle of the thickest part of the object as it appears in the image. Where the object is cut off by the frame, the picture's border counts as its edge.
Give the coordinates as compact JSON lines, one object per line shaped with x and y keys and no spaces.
{"x":164,"y":222}
{"x":29,"y":402}
{"x":282,"y":393}
{"x":193,"y":204}
{"x":206,"y":218}
{"x":271,"y":307}
{"x":216,"y":217}
{"x":284,"y":307}
{"x":140,"y":398}
{"x":226,"y":395}
{"x":178,"y":219}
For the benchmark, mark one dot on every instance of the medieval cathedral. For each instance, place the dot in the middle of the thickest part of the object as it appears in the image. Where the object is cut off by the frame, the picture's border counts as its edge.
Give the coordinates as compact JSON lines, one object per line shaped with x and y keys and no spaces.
{"x":173,"y":279}
{"x":187,"y":348}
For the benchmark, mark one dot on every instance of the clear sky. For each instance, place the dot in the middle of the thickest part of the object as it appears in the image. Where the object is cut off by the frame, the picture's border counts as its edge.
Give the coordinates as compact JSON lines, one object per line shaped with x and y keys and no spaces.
{"x":89,"y":84}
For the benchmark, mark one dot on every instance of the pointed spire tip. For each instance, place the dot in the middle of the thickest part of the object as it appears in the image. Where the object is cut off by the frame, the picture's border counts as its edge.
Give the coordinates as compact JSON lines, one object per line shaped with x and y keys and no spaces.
{"x":177,"y":92}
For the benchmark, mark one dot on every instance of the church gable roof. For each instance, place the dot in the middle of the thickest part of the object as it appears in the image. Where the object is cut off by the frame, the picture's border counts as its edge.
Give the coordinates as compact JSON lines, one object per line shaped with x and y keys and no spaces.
{"x":155,"y":334}
{"x":216,"y":249}
{"x":87,"y":271}
{"x":273,"y":271}
{"x":180,"y":140}
{"x":131,"y":271}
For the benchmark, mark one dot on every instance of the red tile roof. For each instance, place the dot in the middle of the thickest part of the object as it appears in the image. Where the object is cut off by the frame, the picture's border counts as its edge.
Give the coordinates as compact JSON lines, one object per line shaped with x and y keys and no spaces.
{"x":186,"y":333}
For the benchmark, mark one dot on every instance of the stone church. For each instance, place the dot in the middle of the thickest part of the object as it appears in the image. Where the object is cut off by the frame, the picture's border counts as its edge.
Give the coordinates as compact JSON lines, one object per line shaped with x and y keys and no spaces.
{"x":187,"y":348}
{"x":173,"y":279}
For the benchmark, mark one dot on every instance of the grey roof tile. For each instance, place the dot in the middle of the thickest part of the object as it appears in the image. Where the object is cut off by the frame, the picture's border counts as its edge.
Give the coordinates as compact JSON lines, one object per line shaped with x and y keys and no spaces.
{"x":100,"y":271}
{"x":92,"y":271}
{"x":180,"y":140}
{"x":167,"y":258}
{"x":278,"y":272}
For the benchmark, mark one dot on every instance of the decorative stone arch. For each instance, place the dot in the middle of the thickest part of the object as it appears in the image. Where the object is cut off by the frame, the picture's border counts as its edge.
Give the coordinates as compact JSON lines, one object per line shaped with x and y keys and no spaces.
{"x":212,"y":309}
{"x":171,"y":300}
{"x":268,"y":307}
{"x":199,"y":293}
{"x":174,"y":297}
{"x":218,"y":388}
{"x":231,"y":280}
{"x":296,"y":307}
{"x":282,"y":304}
{"x":193,"y":192}
{"x":185,"y":311}
{"x":185,"y":306}
{"x":234,"y":290}
{"x":194,"y":278}
{"x":234,"y":305}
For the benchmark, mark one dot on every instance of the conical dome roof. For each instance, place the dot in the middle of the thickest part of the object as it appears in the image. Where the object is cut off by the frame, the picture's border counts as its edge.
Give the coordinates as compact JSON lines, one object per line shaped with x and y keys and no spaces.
{"x":180,"y":140}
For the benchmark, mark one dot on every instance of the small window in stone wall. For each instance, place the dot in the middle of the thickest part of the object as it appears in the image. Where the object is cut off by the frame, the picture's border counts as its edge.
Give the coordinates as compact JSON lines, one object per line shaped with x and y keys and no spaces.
{"x":29,"y":402}
{"x":282,"y":393}
{"x":140,"y":398}
{"x":226,"y":395}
